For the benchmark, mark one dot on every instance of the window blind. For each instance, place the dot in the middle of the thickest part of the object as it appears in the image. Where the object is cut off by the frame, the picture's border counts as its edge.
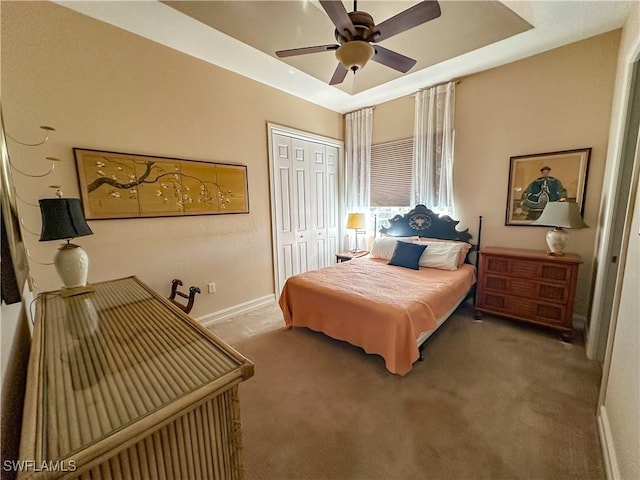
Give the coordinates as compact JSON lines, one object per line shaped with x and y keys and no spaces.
{"x":391,"y":173}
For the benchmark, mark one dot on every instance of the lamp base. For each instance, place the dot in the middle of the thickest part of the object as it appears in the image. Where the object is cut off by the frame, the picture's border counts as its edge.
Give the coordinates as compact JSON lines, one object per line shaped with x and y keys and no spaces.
{"x":70,"y":292}
{"x":356,"y":248}
{"x":557,"y":240}
{"x":72,"y":264}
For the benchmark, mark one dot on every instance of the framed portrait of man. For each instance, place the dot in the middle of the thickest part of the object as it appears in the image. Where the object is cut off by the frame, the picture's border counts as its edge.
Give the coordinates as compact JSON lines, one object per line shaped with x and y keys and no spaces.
{"x":536,"y":179}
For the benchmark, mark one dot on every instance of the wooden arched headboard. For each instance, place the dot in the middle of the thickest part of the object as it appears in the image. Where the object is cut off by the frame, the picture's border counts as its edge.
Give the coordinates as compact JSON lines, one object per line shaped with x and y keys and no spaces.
{"x":423,"y":222}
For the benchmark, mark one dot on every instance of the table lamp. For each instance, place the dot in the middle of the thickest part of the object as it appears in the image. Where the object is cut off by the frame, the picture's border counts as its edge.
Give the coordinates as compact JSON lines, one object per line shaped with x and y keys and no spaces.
{"x":357,"y":222}
{"x":62,"y":218}
{"x":559,"y":215}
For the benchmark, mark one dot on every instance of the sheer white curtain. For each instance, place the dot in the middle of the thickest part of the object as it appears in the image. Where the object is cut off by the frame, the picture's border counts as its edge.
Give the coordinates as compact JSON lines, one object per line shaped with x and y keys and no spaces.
{"x":358,"y":129}
{"x":357,"y":164}
{"x":433,"y":148}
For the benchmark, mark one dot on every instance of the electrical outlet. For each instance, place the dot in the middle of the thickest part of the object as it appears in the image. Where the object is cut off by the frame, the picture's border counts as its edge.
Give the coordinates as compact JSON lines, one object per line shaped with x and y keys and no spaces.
{"x":211,"y":287}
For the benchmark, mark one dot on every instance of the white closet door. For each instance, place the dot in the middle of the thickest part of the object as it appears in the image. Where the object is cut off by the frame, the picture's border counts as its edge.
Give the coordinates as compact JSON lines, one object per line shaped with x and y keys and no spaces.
{"x":319,"y":203}
{"x":332,"y":205}
{"x":305,"y":248}
{"x":282,"y":197}
{"x":305,"y":203}
{"x":296,"y":246}
{"x":291,"y":199}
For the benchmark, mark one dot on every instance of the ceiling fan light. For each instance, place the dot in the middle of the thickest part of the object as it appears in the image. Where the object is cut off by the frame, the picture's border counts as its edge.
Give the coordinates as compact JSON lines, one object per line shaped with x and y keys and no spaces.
{"x":354,"y":54}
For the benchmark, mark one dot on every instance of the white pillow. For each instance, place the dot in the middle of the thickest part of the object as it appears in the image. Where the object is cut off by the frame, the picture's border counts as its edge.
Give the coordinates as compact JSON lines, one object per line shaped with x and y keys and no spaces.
{"x":464,"y":247}
{"x":383,"y":247}
{"x":404,"y":239}
{"x":443,"y":256}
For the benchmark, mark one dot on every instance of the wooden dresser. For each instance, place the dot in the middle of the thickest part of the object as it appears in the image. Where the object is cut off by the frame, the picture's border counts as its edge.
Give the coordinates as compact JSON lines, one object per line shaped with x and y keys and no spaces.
{"x":528,"y":285}
{"x":122,"y":384}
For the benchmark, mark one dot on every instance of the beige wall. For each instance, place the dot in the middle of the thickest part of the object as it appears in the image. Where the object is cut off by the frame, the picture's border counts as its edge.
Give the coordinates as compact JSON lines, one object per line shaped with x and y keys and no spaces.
{"x":557,"y":100}
{"x":393,"y":120}
{"x":107,"y":89}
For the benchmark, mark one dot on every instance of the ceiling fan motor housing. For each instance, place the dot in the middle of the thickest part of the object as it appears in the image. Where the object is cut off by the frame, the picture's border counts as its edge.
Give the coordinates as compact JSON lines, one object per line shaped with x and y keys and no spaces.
{"x":364,"y":25}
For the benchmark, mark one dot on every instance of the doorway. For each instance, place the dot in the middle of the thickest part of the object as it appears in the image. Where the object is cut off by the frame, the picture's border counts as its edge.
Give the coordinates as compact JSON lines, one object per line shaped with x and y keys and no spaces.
{"x":603,"y":310}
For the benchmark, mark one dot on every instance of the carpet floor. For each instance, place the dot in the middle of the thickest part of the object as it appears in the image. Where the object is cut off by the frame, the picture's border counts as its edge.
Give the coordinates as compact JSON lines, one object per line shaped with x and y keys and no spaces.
{"x":492,"y":400}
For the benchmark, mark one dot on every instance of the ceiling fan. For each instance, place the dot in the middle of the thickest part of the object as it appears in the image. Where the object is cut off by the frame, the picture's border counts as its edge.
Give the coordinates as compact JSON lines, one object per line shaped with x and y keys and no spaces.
{"x":357,"y":31}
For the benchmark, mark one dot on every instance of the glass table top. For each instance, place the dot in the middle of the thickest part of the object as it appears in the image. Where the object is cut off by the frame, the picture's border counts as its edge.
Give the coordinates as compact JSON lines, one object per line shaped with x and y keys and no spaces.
{"x":113,"y":356}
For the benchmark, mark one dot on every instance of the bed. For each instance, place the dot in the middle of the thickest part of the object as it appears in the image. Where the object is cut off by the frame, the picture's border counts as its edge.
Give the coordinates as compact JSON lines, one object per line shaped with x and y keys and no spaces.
{"x":381,"y":305}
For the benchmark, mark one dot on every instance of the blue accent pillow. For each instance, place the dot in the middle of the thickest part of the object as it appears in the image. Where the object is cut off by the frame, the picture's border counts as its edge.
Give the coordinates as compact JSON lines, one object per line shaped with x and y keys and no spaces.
{"x":407,"y":255}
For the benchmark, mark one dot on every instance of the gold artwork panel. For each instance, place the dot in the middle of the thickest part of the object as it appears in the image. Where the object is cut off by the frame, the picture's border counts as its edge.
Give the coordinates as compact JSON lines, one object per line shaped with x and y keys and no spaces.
{"x":121,"y":185}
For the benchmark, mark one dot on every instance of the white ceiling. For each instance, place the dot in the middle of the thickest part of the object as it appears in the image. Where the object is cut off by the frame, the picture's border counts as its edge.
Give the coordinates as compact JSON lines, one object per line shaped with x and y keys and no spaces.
{"x":463,"y":26}
{"x":479,"y":35}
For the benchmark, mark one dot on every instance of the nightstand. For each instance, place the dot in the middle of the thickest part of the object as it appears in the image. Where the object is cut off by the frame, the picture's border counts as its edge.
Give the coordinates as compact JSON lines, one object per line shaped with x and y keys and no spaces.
{"x":528,"y":285}
{"x":346,"y":256}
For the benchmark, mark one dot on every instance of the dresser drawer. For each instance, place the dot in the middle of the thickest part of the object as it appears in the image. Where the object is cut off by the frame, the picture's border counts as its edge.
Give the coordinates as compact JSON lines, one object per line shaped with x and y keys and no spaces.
{"x":557,"y":293}
{"x":527,"y":269}
{"x":524,"y":308}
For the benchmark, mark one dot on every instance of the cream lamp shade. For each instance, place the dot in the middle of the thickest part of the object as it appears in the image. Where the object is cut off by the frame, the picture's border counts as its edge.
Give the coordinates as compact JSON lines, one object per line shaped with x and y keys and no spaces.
{"x":560,"y":215}
{"x":357,"y":222}
{"x":63,"y":219}
{"x":354,"y":54}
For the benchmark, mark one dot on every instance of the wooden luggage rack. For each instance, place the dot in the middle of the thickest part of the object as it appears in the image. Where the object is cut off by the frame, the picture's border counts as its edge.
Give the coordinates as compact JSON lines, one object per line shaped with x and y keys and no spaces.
{"x":175,"y":283}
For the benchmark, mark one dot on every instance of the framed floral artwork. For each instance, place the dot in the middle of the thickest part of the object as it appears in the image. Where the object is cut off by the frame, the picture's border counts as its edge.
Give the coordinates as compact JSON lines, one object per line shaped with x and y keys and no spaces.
{"x":535,"y":180}
{"x":124,"y":185}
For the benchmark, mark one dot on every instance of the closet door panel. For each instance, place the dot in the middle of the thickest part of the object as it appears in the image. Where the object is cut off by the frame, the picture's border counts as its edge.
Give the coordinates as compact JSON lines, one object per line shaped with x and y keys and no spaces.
{"x":306,"y":251}
{"x":332,"y":207}
{"x":319,"y":204}
{"x":285,"y":263}
{"x":284,"y":208}
{"x":302,"y":256}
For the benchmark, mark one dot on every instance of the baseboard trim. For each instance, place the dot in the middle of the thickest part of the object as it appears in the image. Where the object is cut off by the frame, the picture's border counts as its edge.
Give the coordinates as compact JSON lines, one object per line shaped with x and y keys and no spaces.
{"x":608,"y":450}
{"x":246,"y":307}
{"x":579,"y":322}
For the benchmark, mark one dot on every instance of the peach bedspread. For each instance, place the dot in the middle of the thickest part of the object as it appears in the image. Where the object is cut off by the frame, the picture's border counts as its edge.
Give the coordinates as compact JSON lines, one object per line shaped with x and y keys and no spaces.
{"x":378,"y":307}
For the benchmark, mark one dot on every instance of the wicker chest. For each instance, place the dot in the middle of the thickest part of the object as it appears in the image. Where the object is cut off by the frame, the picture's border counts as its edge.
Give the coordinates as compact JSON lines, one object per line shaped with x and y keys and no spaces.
{"x":528,"y":285}
{"x":122,"y":384}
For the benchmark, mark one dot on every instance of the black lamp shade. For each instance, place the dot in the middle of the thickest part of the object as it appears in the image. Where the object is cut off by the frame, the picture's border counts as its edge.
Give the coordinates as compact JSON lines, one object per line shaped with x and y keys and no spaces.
{"x":62,"y":218}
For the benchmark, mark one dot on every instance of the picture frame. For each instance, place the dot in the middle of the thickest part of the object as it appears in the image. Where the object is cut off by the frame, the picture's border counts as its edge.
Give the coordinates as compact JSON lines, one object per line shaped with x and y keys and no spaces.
{"x":124,"y":185}
{"x":540,"y":177}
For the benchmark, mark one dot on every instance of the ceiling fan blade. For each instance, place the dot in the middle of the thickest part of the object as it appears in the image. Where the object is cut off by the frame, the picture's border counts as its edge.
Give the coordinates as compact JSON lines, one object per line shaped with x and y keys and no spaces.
{"x":339,"y":16}
{"x":392,"y":59}
{"x":304,"y":50}
{"x":409,"y":18}
{"x":339,"y":75}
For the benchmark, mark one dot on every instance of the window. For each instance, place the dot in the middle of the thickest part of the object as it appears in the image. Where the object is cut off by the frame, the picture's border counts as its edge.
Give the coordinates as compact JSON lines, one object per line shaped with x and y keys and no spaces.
{"x":391,"y":176}
{"x":391,"y":173}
